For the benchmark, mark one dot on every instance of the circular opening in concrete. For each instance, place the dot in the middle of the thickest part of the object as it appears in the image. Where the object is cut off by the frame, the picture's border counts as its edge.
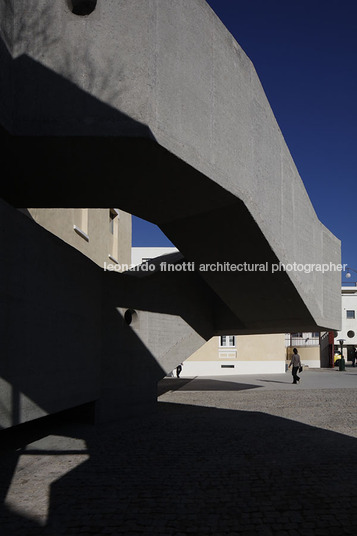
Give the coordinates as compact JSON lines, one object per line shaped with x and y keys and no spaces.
{"x":350,"y":334}
{"x":82,"y":7}
{"x":130,"y":316}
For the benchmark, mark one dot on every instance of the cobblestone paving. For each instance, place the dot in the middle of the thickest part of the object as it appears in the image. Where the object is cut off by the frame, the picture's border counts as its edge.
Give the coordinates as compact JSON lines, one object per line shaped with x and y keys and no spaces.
{"x":211,"y":461}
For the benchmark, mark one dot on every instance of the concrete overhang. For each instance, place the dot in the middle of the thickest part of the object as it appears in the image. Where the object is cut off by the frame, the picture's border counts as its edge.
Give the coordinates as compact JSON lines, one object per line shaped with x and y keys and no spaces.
{"x":152,"y":106}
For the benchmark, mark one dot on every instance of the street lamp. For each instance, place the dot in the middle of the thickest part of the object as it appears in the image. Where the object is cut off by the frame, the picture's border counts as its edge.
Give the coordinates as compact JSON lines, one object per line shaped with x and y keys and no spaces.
{"x":341,"y":365}
{"x":349,"y":270}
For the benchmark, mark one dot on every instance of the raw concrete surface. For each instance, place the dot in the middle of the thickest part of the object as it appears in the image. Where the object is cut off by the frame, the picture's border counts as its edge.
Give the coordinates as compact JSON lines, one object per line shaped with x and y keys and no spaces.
{"x":240,"y":455}
{"x":63,"y":338}
{"x":162,"y":92}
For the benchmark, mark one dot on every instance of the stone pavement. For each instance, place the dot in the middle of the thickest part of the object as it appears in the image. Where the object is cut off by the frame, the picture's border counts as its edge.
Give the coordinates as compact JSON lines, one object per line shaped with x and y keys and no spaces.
{"x":221,"y":456}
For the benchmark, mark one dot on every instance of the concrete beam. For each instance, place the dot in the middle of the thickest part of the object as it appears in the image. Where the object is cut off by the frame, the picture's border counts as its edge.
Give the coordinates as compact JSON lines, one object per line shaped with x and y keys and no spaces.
{"x":155,"y":99}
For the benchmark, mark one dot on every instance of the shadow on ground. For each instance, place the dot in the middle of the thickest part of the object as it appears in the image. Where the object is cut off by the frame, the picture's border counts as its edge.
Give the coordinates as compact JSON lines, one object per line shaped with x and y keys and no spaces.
{"x":200,"y":384}
{"x":199,"y":470}
{"x":274,"y":381}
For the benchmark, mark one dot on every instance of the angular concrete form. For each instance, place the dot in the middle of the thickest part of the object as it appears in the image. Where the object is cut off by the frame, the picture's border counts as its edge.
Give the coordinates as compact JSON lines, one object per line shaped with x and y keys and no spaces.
{"x":152,"y":106}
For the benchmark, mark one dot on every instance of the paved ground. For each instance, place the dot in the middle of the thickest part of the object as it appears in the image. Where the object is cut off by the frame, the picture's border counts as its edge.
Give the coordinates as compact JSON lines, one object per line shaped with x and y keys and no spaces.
{"x":250,"y":455}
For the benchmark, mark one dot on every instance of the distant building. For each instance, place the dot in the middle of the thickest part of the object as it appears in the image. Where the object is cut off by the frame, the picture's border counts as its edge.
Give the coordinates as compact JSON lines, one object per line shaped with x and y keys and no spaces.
{"x":348,"y":330}
{"x":243,"y":354}
{"x":142,"y":254}
{"x":312,"y":347}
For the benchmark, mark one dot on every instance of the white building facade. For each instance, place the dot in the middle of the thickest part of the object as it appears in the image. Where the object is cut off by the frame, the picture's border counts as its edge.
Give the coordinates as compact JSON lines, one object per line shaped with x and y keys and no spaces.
{"x":348,"y":332}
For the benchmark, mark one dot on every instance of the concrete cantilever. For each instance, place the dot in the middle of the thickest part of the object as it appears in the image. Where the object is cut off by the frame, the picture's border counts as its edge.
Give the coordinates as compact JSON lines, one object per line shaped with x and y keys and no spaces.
{"x":150,"y":99}
{"x":190,"y":126}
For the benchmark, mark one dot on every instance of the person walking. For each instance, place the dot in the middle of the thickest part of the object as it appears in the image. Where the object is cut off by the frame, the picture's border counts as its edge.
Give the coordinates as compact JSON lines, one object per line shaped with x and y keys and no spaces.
{"x":296,"y":364}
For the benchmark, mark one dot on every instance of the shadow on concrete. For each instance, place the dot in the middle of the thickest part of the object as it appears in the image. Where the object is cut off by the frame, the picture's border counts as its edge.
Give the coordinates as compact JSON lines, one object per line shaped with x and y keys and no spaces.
{"x":201,"y":384}
{"x":274,"y":381}
{"x":17,"y":437}
{"x":200,"y":470}
{"x":171,"y":384}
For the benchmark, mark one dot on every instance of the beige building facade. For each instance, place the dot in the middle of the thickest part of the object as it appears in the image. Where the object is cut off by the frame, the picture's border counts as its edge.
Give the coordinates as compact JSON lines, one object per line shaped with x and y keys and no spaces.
{"x":243,"y":354}
{"x":253,"y":354}
{"x":101,"y":234}
{"x":310,"y":346}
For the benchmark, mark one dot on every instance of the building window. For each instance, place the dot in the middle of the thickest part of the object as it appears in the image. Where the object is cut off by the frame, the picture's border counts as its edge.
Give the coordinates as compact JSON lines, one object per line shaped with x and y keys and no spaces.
{"x":350,"y":314}
{"x":113,"y":213}
{"x":350,"y":334}
{"x":232,"y":354}
{"x":81,"y":222}
{"x":227,"y":340}
{"x":315,"y":335}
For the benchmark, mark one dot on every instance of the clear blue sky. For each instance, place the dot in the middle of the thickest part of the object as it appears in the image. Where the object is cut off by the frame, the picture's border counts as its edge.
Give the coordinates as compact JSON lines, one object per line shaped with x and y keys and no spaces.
{"x":305,"y":54}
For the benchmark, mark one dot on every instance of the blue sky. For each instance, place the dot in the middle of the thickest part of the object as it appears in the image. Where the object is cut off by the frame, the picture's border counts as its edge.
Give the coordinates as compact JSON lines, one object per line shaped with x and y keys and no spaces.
{"x":305,"y":54}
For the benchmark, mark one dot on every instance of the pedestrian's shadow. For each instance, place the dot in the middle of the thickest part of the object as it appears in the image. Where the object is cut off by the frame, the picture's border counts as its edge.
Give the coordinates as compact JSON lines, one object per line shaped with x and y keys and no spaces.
{"x":273,"y":381}
{"x":201,"y":470}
